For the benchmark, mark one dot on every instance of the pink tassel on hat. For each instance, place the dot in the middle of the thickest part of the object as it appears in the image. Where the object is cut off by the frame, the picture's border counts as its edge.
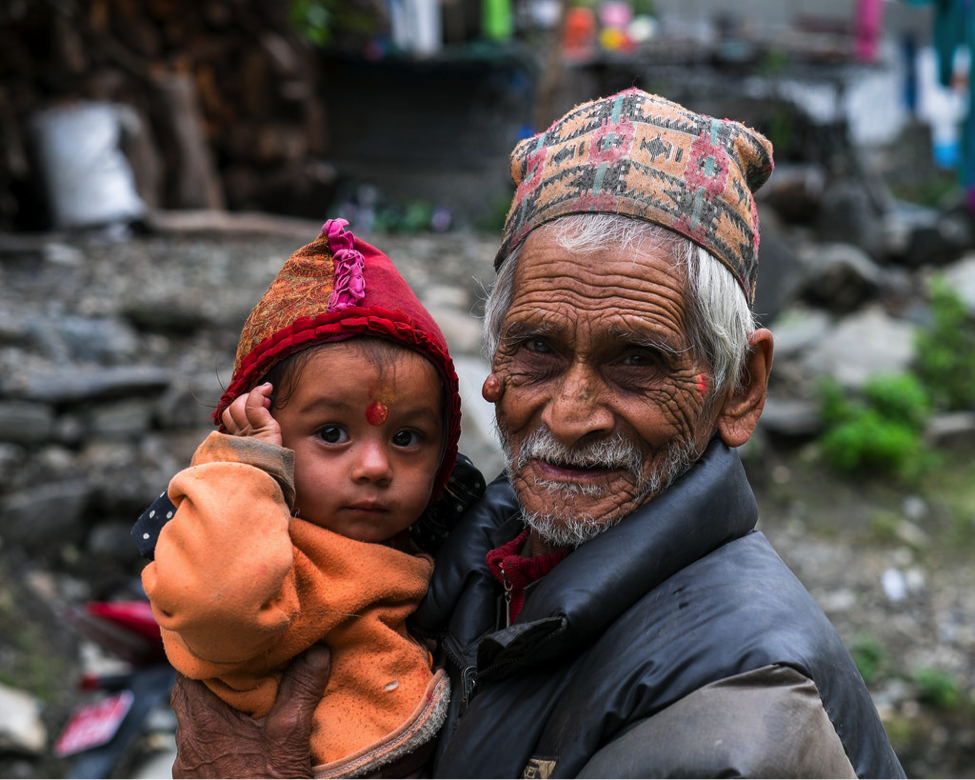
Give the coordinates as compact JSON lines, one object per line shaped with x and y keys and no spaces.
{"x":350,"y":285}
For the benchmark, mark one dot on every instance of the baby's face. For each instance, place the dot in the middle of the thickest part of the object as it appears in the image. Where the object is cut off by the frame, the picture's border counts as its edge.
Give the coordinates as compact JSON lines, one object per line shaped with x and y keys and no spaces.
{"x":367,"y":444}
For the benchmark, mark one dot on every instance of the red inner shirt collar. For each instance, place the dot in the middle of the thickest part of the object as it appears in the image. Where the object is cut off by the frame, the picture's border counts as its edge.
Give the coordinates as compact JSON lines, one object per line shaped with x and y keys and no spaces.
{"x":515,"y":573}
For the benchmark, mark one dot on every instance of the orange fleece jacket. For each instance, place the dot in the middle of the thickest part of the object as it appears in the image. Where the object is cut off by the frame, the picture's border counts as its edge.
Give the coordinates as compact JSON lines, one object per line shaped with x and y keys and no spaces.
{"x":240,"y":587}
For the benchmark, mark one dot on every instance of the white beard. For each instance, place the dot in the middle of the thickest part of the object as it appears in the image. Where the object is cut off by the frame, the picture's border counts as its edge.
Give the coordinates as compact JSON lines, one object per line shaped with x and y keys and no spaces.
{"x":565,"y":527}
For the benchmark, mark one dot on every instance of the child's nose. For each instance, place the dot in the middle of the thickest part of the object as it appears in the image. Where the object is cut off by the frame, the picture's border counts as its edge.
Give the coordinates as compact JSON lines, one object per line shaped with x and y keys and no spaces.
{"x":372,"y":463}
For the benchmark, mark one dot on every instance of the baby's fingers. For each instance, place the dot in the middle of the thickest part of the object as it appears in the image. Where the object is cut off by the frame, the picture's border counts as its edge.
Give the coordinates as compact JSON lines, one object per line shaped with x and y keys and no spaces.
{"x":234,"y":417}
{"x":249,"y":415}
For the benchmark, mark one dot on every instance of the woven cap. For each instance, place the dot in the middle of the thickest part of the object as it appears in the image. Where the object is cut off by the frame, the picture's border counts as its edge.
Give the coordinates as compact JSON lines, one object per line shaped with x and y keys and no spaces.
{"x":335,"y":288}
{"x":646,"y":157}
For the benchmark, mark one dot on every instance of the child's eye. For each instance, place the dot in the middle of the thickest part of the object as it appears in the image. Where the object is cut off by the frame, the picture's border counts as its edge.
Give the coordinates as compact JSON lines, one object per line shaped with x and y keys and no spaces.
{"x":406,"y":438}
{"x":333,"y":434}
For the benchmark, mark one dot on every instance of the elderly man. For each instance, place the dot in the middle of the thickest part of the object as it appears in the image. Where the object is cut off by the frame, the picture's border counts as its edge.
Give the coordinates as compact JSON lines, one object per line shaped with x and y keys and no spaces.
{"x":607,"y":609}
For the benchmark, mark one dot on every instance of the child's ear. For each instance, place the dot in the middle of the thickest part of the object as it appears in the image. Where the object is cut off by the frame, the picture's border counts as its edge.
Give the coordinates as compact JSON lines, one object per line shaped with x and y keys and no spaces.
{"x":743,"y":406}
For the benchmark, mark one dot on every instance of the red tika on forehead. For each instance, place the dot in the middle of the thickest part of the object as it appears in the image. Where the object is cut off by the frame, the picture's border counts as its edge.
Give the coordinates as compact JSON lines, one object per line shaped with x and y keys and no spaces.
{"x":645,"y":157}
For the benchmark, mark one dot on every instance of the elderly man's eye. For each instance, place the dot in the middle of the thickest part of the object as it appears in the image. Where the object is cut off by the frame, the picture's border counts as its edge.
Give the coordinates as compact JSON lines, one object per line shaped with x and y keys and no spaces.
{"x":537,"y":345}
{"x":639,"y":358}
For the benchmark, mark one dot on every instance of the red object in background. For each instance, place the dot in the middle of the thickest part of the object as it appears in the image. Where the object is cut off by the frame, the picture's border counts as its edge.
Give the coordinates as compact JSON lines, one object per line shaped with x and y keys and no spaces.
{"x":580,"y":32}
{"x":93,"y":724}
{"x":126,"y":628}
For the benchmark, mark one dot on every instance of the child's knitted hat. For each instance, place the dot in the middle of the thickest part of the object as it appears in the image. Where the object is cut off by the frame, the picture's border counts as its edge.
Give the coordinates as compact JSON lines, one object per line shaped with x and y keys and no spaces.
{"x":333,"y":289}
{"x":642,"y":156}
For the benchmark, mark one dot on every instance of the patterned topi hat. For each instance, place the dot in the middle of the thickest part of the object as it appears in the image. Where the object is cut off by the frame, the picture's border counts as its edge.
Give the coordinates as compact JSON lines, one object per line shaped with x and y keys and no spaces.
{"x":646,"y":157}
{"x":333,"y":289}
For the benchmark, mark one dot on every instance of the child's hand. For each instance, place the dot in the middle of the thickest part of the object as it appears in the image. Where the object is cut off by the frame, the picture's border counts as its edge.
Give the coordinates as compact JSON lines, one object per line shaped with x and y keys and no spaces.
{"x":249,"y":415}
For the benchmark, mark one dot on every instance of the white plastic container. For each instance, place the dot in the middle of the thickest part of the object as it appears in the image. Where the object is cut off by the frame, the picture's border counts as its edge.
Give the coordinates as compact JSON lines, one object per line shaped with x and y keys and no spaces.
{"x":87,"y":178}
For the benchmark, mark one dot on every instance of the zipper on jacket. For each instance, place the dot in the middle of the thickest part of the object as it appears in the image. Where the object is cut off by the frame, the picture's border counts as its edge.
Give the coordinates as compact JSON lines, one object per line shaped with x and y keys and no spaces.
{"x":469,"y":676}
{"x":508,"y":587}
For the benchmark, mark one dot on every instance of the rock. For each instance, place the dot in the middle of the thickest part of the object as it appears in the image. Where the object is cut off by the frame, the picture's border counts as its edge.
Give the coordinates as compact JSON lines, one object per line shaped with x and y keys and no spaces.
{"x":797,"y":330}
{"x":167,"y":318}
{"x":125,"y":419}
{"x":478,"y":440}
{"x":795,"y":191}
{"x":902,"y":221}
{"x":777,"y":283}
{"x":793,"y":417}
{"x":13,"y":329}
{"x":894,"y":585}
{"x":85,"y":339}
{"x":838,"y":277}
{"x":65,"y":255}
{"x":463,"y":332}
{"x":190,"y":400}
{"x":11,"y":456}
{"x":915,"y":508}
{"x":439,"y":296}
{"x":951,"y":431}
{"x":46,"y":516}
{"x":24,"y":422}
{"x":76,"y":384}
{"x":847,"y":214}
{"x":113,"y":542}
{"x":929,"y":237}
{"x":961,"y":278}
{"x":21,"y":728}
{"x":862,"y":345}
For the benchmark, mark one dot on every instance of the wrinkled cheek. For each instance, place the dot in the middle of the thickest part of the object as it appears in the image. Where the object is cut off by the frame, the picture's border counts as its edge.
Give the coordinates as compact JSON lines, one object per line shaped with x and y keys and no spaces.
{"x":683,"y":410}
{"x":516,"y":409}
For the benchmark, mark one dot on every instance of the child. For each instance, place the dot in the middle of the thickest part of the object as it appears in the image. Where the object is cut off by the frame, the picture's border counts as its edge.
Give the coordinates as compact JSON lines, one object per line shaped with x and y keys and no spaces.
{"x":340,"y":427}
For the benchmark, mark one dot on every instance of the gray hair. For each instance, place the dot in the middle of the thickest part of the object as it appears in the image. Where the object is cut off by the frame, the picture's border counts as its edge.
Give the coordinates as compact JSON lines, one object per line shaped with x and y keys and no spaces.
{"x":719,"y":322}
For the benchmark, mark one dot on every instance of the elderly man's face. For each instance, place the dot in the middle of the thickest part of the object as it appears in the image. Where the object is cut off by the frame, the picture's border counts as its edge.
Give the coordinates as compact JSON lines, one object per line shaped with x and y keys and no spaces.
{"x":599,"y":396}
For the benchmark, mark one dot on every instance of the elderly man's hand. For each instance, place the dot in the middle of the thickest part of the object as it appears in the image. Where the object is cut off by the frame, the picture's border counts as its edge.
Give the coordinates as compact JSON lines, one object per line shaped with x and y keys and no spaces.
{"x":214,"y":740}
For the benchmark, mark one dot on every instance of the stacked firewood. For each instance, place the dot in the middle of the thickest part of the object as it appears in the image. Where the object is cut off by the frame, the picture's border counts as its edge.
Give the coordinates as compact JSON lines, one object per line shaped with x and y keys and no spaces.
{"x":225,"y":93}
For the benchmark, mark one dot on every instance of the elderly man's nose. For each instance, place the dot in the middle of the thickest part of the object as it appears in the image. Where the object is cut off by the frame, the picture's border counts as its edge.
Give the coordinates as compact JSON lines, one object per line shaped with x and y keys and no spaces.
{"x":576,"y":408}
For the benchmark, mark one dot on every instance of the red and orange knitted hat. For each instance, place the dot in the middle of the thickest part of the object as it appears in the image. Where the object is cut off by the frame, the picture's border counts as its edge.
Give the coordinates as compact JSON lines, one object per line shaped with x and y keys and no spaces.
{"x":646,"y":157}
{"x":333,"y":289}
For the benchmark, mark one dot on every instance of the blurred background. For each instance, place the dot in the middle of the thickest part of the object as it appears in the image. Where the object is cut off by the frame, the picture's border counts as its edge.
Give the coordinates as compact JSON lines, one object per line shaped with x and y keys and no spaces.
{"x":160,"y":159}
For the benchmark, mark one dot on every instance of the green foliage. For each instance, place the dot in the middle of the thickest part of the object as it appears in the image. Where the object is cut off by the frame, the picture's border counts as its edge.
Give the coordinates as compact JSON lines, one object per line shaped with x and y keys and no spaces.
{"x":495,"y":214}
{"x":899,"y":398}
{"x":935,"y":191}
{"x":414,"y":217}
{"x":946,"y":350}
{"x":870,"y":657}
{"x":320,"y":22}
{"x":938,"y":688}
{"x":884,"y":524}
{"x":878,"y":430}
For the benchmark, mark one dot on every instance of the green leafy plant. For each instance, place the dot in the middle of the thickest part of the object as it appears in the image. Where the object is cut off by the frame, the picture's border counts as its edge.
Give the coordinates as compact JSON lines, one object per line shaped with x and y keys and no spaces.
{"x":938,"y":688}
{"x":878,"y":429}
{"x":870,"y":657}
{"x":946,"y":350}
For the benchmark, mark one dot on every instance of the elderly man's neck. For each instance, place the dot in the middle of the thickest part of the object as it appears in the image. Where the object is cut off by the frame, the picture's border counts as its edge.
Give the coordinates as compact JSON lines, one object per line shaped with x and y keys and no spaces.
{"x":536,"y":546}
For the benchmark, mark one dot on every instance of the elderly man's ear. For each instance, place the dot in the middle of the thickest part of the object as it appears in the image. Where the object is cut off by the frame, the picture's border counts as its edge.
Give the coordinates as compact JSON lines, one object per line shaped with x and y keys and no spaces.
{"x":740,"y":412}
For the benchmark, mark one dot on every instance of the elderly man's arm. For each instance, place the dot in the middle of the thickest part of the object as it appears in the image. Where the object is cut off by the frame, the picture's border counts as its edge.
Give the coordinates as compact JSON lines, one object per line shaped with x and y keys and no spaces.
{"x":215,"y":740}
{"x":765,"y":723}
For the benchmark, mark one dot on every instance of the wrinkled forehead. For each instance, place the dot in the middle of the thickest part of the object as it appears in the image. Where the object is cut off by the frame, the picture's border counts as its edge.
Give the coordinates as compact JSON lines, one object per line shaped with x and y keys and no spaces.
{"x":632,"y":292}
{"x":634,"y":267}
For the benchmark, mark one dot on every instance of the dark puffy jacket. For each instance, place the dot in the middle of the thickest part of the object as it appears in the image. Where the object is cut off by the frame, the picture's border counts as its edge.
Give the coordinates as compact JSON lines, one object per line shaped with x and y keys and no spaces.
{"x":680,"y":596}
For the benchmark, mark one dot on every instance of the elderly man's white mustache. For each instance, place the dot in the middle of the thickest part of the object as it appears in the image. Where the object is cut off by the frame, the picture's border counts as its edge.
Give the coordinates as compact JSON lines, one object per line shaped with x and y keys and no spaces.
{"x":568,"y":525}
{"x":612,"y":454}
